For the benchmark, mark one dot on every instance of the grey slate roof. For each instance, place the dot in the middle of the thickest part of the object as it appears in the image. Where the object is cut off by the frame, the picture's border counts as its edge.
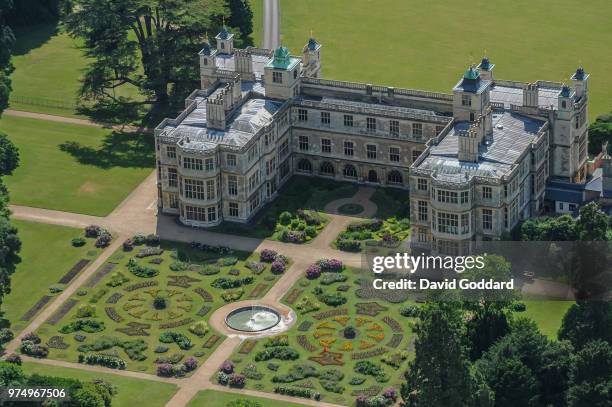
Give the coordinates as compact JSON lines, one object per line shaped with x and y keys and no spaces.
{"x":514,"y":96}
{"x":227,"y":62}
{"x":254,"y":113}
{"x":512,"y":135}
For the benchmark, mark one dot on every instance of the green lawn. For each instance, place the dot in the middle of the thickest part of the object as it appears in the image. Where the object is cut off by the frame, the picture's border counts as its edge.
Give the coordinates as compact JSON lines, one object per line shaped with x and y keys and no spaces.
{"x":75,"y":168}
{"x":547,"y":314}
{"x":46,"y":256}
{"x":48,"y":67}
{"x":213,"y":398}
{"x":427,"y":45}
{"x":130,"y":392}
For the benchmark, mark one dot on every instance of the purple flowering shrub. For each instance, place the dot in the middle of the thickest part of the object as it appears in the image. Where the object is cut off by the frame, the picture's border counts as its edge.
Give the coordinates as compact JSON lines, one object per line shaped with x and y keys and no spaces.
{"x":227,"y":367}
{"x":313,"y":272}
{"x":268,"y":255}
{"x":278,"y":267}
{"x":330,"y":265}
{"x":237,"y":380}
{"x":190,"y":364}
{"x":165,"y":370}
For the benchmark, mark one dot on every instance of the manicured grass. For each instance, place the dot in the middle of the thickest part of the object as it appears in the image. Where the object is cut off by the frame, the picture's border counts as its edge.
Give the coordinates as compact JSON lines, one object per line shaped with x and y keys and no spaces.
{"x":75,"y":168}
{"x":213,"y":398}
{"x":130,"y":392}
{"x":46,"y":255}
{"x":184,"y":280}
{"x":299,"y":192}
{"x":428,"y":45}
{"x":391,"y":202}
{"x":331,"y":328}
{"x":48,"y":68}
{"x":547,"y":314}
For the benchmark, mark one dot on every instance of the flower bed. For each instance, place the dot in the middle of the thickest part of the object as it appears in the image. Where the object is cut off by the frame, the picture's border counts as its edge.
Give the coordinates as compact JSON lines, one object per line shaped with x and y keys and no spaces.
{"x":388,"y":232}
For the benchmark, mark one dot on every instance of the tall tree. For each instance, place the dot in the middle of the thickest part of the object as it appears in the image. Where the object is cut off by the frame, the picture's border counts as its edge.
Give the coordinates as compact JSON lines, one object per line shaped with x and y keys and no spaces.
{"x":489,"y":312}
{"x":148,"y":44}
{"x":435,"y":377}
{"x":241,"y":17}
{"x":593,"y":223}
{"x":525,"y":368}
{"x":587,"y":321}
{"x":590,"y":382}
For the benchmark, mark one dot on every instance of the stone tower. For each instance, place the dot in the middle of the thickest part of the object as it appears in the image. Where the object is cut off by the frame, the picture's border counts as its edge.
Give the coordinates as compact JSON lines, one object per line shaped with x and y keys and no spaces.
{"x":471,"y":98}
{"x":311,"y":59}
{"x":225,"y":41}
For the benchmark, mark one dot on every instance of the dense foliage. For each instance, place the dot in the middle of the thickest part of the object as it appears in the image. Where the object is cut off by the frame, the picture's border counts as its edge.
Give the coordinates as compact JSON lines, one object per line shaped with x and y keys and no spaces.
{"x":600,"y":132}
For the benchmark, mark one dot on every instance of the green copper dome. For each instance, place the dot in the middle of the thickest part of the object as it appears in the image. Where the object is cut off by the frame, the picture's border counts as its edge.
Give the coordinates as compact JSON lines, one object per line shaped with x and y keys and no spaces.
{"x":471,"y":73}
{"x":281,"y":54}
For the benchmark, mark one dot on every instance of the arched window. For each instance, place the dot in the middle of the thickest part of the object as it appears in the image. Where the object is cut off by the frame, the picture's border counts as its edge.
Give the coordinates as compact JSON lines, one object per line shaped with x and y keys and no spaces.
{"x":222,"y":46}
{"x":304,"y":165}
{"x":327,"y":168}
{"x":372,"y":176}
{"x":395,"y":177}
{"x":349,"y":171}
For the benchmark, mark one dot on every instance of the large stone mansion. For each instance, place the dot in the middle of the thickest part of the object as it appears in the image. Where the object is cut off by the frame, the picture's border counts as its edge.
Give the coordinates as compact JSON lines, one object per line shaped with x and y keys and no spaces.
{"x":476,"y":161}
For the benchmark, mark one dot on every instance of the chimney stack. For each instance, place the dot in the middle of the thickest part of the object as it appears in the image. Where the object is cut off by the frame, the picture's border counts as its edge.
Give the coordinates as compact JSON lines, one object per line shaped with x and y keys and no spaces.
{"x":468,"y":143}
{"x":530,"y":95}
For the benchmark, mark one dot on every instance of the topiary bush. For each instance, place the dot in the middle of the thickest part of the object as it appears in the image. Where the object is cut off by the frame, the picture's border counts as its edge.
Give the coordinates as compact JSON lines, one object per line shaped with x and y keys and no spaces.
{"x":349,"y":332}
{"x":200,"y":328}
{"x":278,"y":267}
{"x":86,"y":311}
{"x":285,"y":218}
{"x":159,"y":302}
{"x":78,"y":242}
{"x":267,"y":255}
{"x":313,"y":272}
{"x":104,"y":239}
{"x":92,"y":231}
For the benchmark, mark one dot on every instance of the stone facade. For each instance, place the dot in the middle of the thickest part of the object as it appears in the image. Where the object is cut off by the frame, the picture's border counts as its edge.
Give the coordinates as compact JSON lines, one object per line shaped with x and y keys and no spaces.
{"x":485,"y":151}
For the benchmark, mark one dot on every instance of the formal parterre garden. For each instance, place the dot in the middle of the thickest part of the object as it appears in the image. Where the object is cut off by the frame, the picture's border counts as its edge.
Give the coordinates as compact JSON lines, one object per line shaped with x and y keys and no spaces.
{"x":350,"y":344}
{"x":147,"y":308}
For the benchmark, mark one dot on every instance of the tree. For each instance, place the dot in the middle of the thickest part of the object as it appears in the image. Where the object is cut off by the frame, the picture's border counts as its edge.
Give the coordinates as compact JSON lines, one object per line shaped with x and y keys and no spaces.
{"x":30,"y":12}
{"x":559,"y":229}
{"x":587,"y":321}
{"x":7,"y":40}
{"x":489,"y":313}
{"x":438,"y":378}
{"x":150,"y":45}
{"x":10,"y":245}
{"x":241,"y":18}
{"x":600,"y":131}
{"x":523,"y":356}
{"x":9,"y":155}
{"x":590,"y":382}
{"x":593,"y":223}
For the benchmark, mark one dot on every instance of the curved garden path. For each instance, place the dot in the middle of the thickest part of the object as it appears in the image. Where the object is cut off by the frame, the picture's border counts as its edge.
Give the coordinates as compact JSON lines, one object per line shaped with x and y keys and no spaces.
{"x":362,"y":197}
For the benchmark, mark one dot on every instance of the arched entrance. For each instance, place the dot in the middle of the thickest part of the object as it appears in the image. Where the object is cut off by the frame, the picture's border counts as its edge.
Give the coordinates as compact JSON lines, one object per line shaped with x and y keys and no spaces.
{"x":372,"y":176}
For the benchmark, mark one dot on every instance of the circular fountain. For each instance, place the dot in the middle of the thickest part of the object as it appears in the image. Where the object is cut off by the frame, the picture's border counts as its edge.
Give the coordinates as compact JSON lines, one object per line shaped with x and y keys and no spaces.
{"x":255,"y":318}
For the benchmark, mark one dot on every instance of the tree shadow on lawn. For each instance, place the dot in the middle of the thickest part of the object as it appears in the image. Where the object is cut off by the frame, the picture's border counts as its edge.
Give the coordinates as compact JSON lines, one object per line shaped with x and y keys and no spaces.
{"x":32,"y":37}
{"x":119,"y":149}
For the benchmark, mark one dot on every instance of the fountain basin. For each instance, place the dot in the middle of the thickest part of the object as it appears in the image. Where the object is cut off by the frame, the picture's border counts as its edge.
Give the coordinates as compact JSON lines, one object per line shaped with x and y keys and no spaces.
{"x":254,"y":318}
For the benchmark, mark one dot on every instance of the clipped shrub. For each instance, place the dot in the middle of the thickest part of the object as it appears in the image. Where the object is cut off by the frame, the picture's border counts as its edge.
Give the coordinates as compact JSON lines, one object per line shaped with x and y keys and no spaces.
{"x":349,"y":245}
{"x":128,"y":245}
{"x":313,"y":272}
{"x":92,"y":231}
{"x":180,"y":339}
{"x":14,"y":358}
{"x":85,"y":325}
{"x":209,"y":270}
{"x":141,"y":271}
{"x":78,"y":242}
{"x":519,"y":307}
{"x":165,"y":370}
{"x":267,"y":255}
{"x":227,"y":367}
{"x":277,"y":352}
{"x":104,"y":239}
{"x":222,"y":378}
{"x":160,"y":349}
{"x":200,"y":328}
{"x":86,"y":311}
{"x":190,"y":364}
{"x":410,"y":311}
{"x":56,"y":289}
{"x":227,"y":261}
{"x":34,"y":349}
{"x":152,"y":240}
{"x":278,"y":267}
{"x":330,"y":265}
{"x":32,"y":337}
{"x":6,"y":335}
{"x":237,"y":380}
{"x":285,"y":218}
{"x":349,"y":332}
